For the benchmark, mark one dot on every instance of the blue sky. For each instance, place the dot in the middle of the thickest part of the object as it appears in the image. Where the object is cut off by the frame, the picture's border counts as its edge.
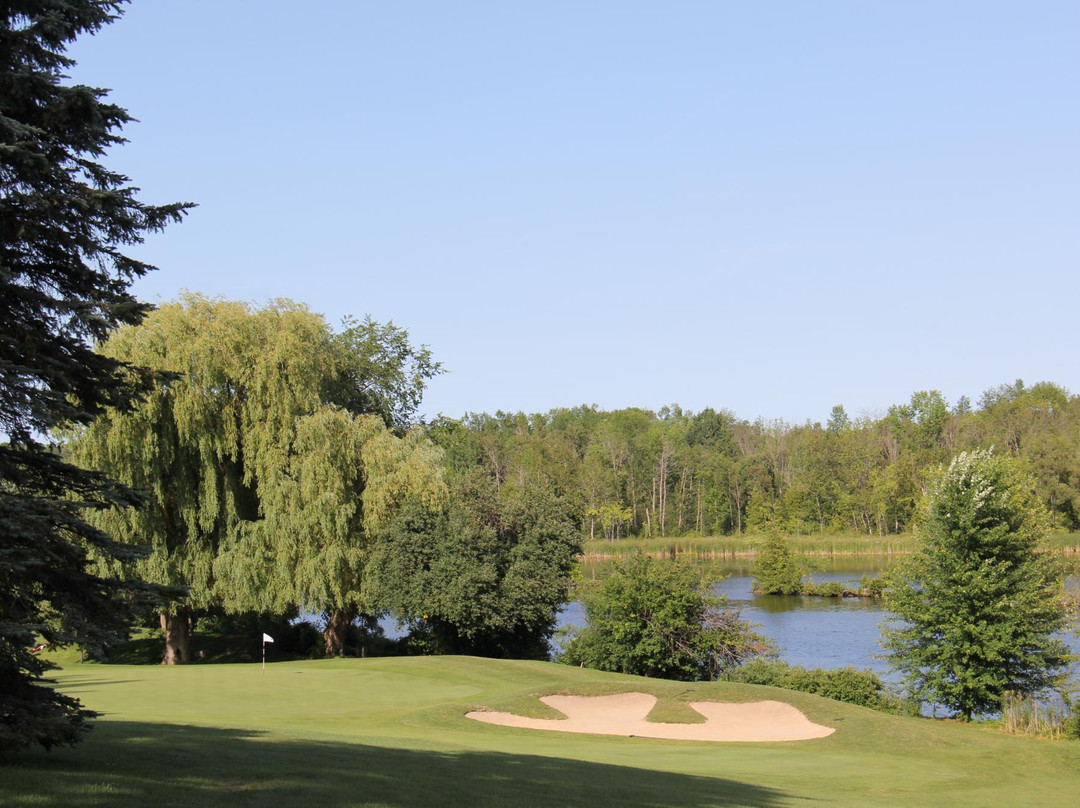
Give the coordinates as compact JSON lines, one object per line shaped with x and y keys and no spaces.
{"x":768,"y":207}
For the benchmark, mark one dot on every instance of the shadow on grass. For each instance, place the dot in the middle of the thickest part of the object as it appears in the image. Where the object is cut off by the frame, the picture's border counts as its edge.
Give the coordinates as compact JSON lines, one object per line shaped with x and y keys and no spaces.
{"x":76,"y":682}
{"x":140,"y":764}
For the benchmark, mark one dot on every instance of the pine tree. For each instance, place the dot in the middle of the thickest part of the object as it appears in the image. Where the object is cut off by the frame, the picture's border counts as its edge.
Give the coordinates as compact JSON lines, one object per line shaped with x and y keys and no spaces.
{"x":64,"y":284}
{"x":977,"y":608}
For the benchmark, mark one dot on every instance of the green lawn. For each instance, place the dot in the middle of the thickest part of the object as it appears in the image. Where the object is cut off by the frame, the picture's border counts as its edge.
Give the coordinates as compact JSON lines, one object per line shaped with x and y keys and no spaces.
{"x":392,"y":732}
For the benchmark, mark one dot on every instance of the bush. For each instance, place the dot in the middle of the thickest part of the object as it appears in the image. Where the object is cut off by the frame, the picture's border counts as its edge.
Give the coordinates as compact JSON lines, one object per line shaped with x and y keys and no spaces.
{"x":873,"y":585}
{"x":659,"y":618}
{"x":825,"y":589}
{"x":851,"y":685}
{"x":1070,"y":728}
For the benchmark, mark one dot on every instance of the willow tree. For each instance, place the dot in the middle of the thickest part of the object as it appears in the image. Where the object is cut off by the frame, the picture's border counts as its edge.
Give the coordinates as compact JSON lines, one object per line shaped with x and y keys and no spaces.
{"x":347,"y":475}
{"x":230,"y":451}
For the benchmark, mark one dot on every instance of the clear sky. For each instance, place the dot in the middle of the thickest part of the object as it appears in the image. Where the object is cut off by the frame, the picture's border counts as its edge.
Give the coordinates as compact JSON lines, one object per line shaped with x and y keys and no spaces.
{"x":769,"y":207}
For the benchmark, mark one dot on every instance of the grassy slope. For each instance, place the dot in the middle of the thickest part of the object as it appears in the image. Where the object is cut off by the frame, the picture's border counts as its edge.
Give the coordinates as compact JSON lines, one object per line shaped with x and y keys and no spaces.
{"x":392,"y":732}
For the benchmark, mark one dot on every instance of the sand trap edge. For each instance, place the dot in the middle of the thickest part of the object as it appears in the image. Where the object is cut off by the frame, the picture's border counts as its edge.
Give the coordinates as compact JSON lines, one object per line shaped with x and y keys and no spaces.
{"x":624,"y":714}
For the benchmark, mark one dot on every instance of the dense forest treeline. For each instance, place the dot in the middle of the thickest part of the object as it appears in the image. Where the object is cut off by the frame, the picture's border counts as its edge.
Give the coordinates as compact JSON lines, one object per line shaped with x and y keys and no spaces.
{"x":634,"y":472}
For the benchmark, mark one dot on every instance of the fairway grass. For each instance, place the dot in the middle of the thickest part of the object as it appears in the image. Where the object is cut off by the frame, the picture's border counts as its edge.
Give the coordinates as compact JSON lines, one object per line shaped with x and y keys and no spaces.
{"x":393,"y":732}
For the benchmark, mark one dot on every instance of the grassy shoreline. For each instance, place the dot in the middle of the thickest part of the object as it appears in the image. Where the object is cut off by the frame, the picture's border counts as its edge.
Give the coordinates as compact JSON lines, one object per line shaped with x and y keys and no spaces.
{"x":746,"y":546}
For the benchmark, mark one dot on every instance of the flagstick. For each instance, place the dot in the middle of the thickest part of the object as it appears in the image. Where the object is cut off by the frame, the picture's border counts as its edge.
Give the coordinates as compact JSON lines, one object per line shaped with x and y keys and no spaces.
{"x":266,"y":638}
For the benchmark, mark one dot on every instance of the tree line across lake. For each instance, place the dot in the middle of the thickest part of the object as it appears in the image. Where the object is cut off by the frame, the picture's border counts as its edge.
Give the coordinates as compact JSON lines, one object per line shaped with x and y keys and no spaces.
{"x":634,"y":472}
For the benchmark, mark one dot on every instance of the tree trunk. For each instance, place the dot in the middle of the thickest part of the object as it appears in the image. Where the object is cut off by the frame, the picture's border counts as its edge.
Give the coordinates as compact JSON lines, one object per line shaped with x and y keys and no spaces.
{"x":337,"y":631}
{"x":735,"y":490}
{"x":662,"y":486}
{"x":177,"y":628}
{"x":699,"y":518}
{"x":681,"y":523}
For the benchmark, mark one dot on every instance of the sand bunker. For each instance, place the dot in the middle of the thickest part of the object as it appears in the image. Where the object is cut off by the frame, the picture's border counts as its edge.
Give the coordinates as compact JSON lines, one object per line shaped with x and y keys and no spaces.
{"x":624,"y":714}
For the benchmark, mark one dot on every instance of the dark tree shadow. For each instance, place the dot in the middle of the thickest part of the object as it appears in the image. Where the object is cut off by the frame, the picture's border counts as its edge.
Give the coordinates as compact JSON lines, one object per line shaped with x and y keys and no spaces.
{"x":124,"y":763}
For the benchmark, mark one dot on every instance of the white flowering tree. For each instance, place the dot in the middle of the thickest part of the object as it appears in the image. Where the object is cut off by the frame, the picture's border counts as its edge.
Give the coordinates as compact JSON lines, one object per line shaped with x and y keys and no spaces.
{"x":977,"y":609}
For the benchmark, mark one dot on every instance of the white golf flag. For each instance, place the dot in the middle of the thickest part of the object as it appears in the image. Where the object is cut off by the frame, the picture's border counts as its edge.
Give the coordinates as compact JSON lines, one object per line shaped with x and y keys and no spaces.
{"x":267,"y":638}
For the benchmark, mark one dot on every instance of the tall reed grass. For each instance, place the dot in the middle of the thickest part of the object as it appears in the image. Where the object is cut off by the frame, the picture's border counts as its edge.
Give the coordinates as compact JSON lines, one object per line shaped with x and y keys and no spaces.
{"x":1064,"y":542}
{"x":1025,"y":715}
{"x":748,"y":545}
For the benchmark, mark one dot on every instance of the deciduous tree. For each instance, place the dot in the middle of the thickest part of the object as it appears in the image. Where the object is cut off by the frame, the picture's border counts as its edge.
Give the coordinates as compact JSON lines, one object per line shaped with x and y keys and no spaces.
{"x":347,"y":476}
{"x":977,"y":608}
{"x":484,"y":575}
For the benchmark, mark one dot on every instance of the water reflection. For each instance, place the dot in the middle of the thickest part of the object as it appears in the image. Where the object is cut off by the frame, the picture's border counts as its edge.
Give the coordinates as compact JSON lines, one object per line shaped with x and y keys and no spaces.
{"x":814,"y":632}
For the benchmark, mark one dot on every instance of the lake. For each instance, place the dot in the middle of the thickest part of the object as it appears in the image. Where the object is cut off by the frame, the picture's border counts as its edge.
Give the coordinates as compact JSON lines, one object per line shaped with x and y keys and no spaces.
{"x":810,"y":631}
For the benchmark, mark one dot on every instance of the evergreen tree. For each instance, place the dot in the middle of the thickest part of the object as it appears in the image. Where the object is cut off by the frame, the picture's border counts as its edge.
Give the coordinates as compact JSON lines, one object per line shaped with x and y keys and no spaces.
{"x":64,"y":283}
{"x":977,"y":609}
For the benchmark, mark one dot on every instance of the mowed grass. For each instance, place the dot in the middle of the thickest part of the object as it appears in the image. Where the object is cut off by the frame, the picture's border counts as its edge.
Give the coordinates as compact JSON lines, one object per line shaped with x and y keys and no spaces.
{"x":393,"y":732}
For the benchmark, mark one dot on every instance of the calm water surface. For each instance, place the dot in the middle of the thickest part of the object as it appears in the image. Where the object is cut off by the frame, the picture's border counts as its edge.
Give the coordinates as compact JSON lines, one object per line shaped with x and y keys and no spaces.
{"x":813,"y":632}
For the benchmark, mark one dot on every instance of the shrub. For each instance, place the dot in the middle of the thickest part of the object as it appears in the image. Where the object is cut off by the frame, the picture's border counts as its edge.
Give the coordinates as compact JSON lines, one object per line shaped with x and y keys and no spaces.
{"x":873,"y":585}
{"x":659,"y":618}
{"x":826,"y":589}
{"x":851,"y":685}
{"x":1070,"y":728}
